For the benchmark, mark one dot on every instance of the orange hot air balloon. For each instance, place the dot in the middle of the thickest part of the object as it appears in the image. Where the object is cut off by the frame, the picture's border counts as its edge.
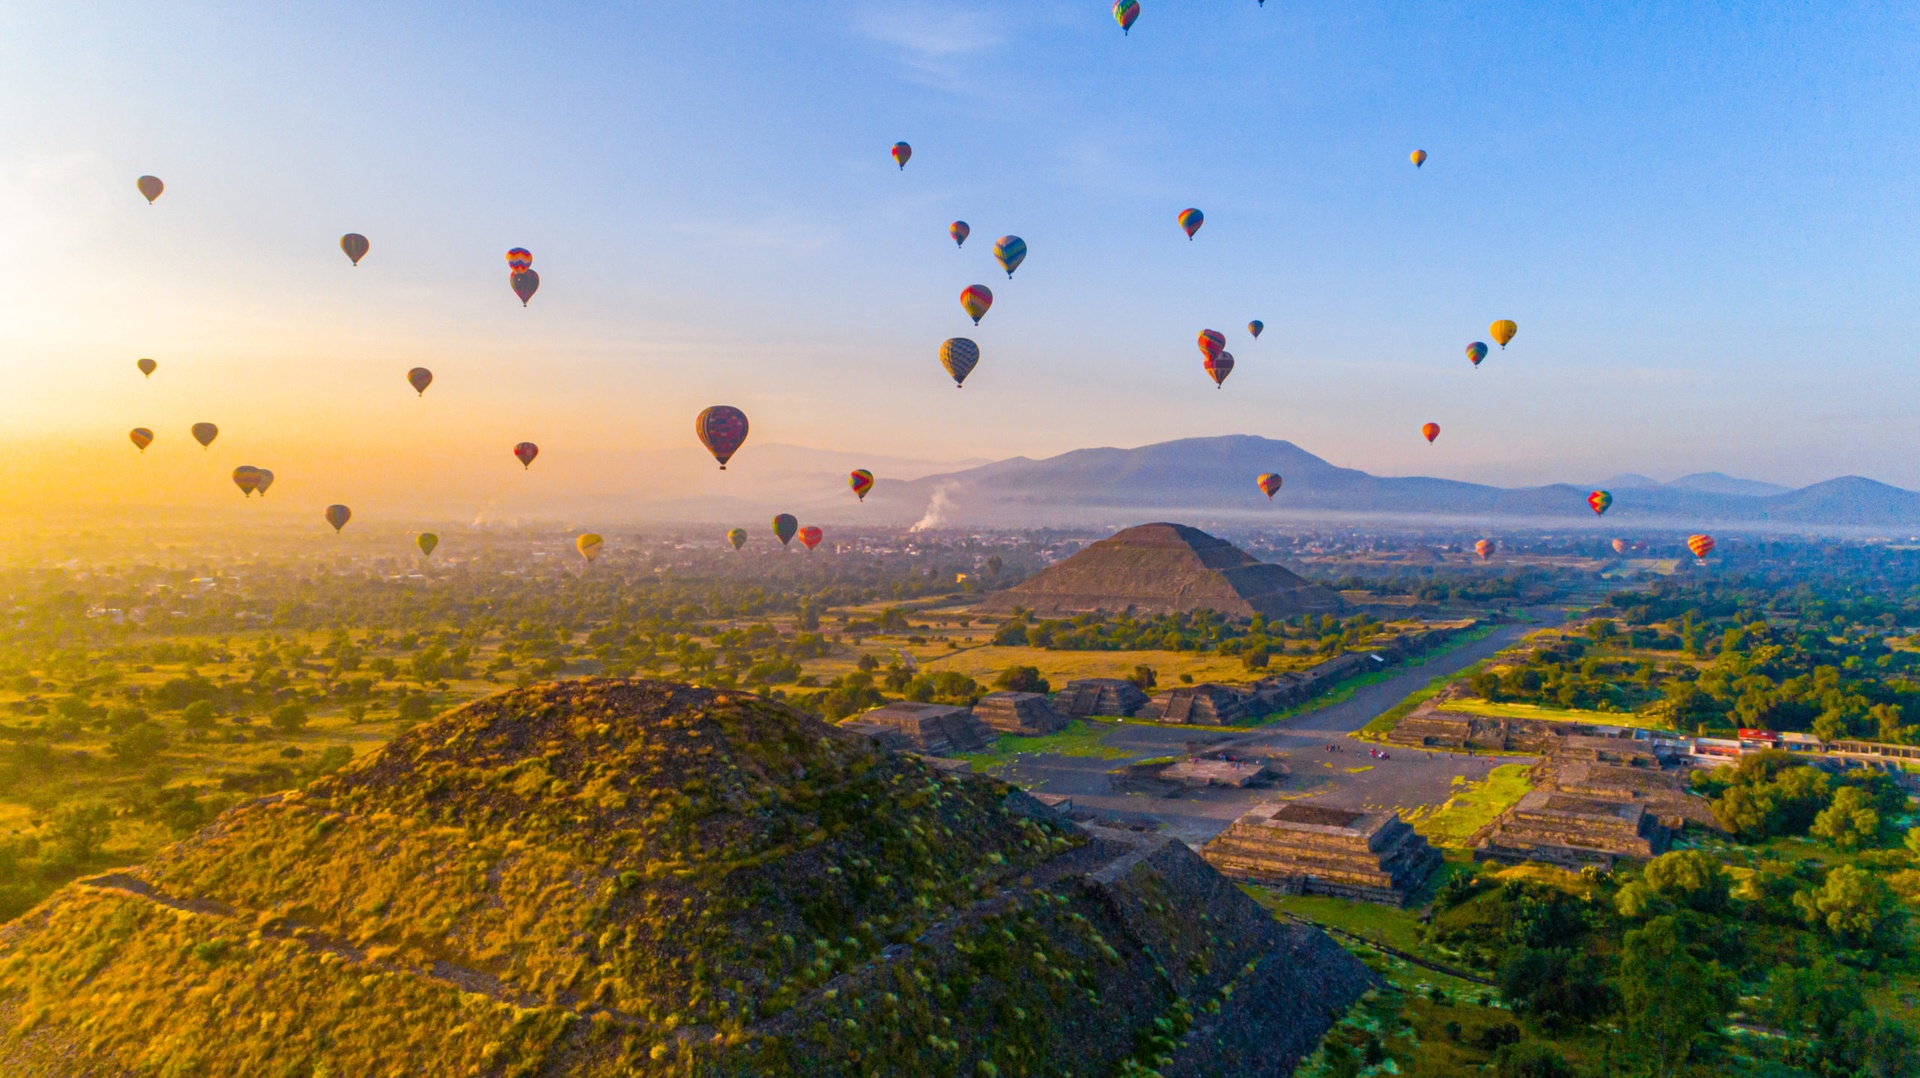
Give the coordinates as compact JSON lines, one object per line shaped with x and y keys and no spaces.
{"x":1619,"y":546}
{"x":1484,"y":548}
{"x":426,"y":541}
{"x":247,"y":478}
{"x":722,"y":429}
{"x":1212,"y":341}
{"x":525,"y":284}
{"x":150,"y":186}
{"x":205,"y":433}
{"x":420,"y":378}
{"x":519,"y":260}
{"x":1701,"y":545}
{"x":975,"y":299}
{"x":959,"y":231}
{"x":784,"y":526}
{"x":1269,"y":485}
{"x":1598,"y":501}
{"x":901,"y":152}
{"x":1218,"y":368}
{"x":355,"y":245}
{"x":1419,"y":157}
{"x":589,"y":546}
{"x":861,"y":481}
{"x":1503,"y":331}
{"x":1430,"y":431}
{"x":737,"y":536}
{"x":525,"y":452}
{"x":141,"y":437}
{"x":338,"y":515}
{"x":266,"y":480}
{"x":810,"y":535}
{"x":146,"y":366}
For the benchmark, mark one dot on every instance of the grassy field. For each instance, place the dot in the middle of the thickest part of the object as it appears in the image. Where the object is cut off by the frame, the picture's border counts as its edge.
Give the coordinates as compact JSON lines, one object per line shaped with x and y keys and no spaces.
{"x":1472,"y":806}
{"x":1082,"y":737}
{"x":1552,"y":714}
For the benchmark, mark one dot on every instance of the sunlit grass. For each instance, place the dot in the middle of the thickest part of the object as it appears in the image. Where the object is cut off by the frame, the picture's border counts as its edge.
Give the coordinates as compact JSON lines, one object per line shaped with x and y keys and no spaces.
{"x":1472,"y":806}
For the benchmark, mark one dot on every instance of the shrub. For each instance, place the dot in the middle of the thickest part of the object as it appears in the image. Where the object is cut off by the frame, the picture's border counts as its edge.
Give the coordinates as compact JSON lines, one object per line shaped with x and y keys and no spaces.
{"x":1021,"y":679}
{"x":199,"y":715}
{"x":289,"y":718}
{"x":1530,"y":1060}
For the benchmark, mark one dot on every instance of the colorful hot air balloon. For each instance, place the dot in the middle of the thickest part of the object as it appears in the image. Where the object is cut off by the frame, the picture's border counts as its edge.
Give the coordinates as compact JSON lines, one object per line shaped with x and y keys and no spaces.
{"x":420,"y":378}
{"x":1619,"y":546}
{"x":810,"y":535}
{"x":784,"y":526}
{"x":901,"y":152}
{"x":1701,"y":545}
{"x":1598,"y":501}
{"x":975,"y":299}
{"x":266,"y":480}
{"x":519,"y":260}
{"x":959,"y":356}
{"x":1430,"y":431}
{"x":959,"y":231}
{"x":1254,"y":327}
{"x":525,"y":284}
{"x":1476,"y":352}
{"x":861,"y":481}
{"x":1484,"y":548}
{"x":150,"y":186}
{"x":141,"y":437}
{"x":355,"y":245}
{"x":1219,"y":367}
{"x":1503,"y":331}
{"x":1191,"y":220}
{"x":721,"y":429}
{"x":147,"y":366}
{"x":338,"y":515}
{"x":525,"y":452}
{"x":589,"y":546}
{"x":247,"y":478}
{"x":1269,"y":485}
{"x":426,"y":541}
{"x":1010,"y":251}
{"x":1419,"y":158}
{"x":737,"y":536}
{"x":1212,"y":342}
{"x":1124,"y":13}
{"x":205,"y":433}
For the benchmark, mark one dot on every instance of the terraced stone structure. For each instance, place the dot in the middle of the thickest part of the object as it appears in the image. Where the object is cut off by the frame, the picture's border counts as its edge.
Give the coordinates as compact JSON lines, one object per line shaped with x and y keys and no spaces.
{"x":1164,"y":569}
{"x":1028,"y":714}
{"x":1571,"y":831}
{"x":1100,"y":696}
{"x":1305,"y":848}
{"x":933,"y":729}
{"x":1664,"y":793}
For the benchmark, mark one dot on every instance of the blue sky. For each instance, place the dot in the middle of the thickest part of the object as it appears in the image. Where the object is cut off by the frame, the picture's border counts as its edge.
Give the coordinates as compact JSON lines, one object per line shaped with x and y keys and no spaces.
{"x":1702,"y":218}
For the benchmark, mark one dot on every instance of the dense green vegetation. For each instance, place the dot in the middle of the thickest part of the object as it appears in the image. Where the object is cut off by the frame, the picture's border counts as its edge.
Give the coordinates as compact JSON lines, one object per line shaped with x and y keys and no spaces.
{"x":1203,"y":630}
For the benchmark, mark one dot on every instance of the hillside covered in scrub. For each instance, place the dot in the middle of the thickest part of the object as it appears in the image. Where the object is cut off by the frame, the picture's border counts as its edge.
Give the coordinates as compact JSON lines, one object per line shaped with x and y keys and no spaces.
{"x":630,"y":877}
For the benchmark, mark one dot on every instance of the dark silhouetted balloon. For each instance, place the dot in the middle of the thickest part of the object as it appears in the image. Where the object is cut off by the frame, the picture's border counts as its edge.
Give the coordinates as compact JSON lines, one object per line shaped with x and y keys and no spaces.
{"x":1191,"y":220}
{"x":959,"y":356}
{"x":1430,"y":431}
{"x":722,"y":428}
{"x":426,"y":542}
{"x":959,"y":231}
{"x":205,"y":433}
{"x":861,"y":481}
{"x":525,"y":452}
{"x":355,"y":245}
{"x":247,"y":478}
{"x":147,"y":366}
{"x":810,"y":536}
{"x":1254,"y":327}
{"x":420,"y":378}
{"x":1219,"y":367}
{"x":266,"y":480}
{"x":901,"y":152}
{"x":150,"y":186}
{"x":737,"y":536}
{"x":338,"y":515}
{"x":525,"y":284}
{"x":1010,"y":251}
{"x":141,"y":437}
{"x":975,"y":299}
{"x":1484,"y":548}
{"x":784,"y":526}
{"x":1269,"y":485}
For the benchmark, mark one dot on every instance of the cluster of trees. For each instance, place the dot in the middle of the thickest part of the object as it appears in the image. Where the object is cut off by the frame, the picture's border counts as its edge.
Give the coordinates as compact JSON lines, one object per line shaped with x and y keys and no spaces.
{"x":1769,"y":794}
{"x":1200,"y":631}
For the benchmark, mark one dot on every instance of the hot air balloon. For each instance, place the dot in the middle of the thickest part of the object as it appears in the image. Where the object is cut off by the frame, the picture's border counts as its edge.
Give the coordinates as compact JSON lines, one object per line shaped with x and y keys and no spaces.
{"x":1599,"y":500}
{"x":1212,"y":341}
{"x":721,"y":429}
{"x":1430,"y":431}
{"x":525,"y":284}
{"x":737,"y":536}
{"x":861,"y":481}
{"x":420,"y":378}
{"x":1269,"y":485}
{"x":1484,"y":548}
{"x":205,"y":433}
{"x":959,"y":231}
{"x":975,"y":299}
{"x":1701,"y":545}
{"x":338,"y":515}
{"x":901,"y":152}
{"x":589,"y":546}
{"x":146,"y":366}
{"x":519,"y":260}
{"x":1503,"y":331}
{"x":810,"y":535}
{"x":1011,"y":251}
{"x":1254,"y":327}
{"x":247,"y":478}
{"x":426,"y":541}
{"x":1124,"y":12}
{"x":150,"y":186}
{"x":1219,"y":367}
{"x":1191,"y":220}
{"x":1619,"y":546}
{"x":784,"y":526}
{"x":1476,"y":352}
{"x":141,"y":437}
{"x":355,"y":245}
{"x":266,"y":480}
{"x":525,"y":452}
{"x":959,"y":356}
{"x":1419,"y":158}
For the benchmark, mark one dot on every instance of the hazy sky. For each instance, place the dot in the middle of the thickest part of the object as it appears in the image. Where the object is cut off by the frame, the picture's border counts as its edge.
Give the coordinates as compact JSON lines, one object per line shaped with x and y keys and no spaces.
{"x":1701,"y":216}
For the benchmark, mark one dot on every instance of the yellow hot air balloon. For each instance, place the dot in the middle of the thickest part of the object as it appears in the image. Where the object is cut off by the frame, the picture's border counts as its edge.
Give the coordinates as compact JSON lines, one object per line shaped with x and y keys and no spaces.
{"x":1503,"y":331}
{"x":1419,"y":157}
{"x":589,"y":546}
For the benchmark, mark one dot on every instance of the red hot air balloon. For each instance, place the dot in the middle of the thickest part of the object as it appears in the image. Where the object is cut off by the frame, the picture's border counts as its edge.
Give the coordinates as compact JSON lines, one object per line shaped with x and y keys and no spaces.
{"x":975,"y":299}
{"x":1598,"y":501}
{"x":1269,"y":485}
{"x":205,"y":433}
{"x":784,"y":526}
{"x":338,"y":515}
{"x":146,"y":366}
{"x":1484,"y":548}
{"x":519,"y":260}
{"x":247,"y":478}
{"x":1430,"y":431}
{"x":1219,"y":367}
{"x":1701,"y":545}
{"x":355,"y":246}
{"x":810,"y":535}
{"x":525,"y":284}
{"x":722,"y":428}
{"x":901,"y":152}
{"x":150,"y":186}
{"x":1212,"y":341}
{"x":525,"y":452}
{"x":420,"y":378}
{"x":1191,"y":220}
{"x":861,"y":481}
{"x":141,"y":437}
{"x":959,"y":231}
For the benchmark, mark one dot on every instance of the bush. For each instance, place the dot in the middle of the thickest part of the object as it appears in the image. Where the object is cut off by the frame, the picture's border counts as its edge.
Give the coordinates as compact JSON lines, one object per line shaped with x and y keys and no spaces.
{"x":1561,"y":988}
{"x":289,"y":718}
{"x":1143,"y":677}
{"x":1493,"y":1038}
{"x":1021,"y":679}
{"x":1530,"y":1060}
{"x":199,"y":715}
{"x":416,"y":708}
{"x":137,"y":744}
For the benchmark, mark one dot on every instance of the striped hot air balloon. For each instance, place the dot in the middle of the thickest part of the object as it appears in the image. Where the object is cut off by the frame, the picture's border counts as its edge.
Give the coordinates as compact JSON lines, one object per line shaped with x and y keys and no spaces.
{"x":247,"y":478}
{"x":1476,"y":352}
{"x":1124,"y":13}
{"x":519,"y":260}
{"x":1269,"y":485}
{"x":1010,"y":251}
{"x":810,"y":536}
{"x":1212,"y":342}
{"x":141,"y":437}
{"x":1219,"y":367}
{"x":338,"y":515}
{"x":1701,"y":545}
{"x":1598,"y":501}
{"x":737,"y":536}
{"x":976,"y":299}
{"x":861,"y":481}
{"x":959,"y":231}
{"x":959,"y":356}
{"x":1191,"y":220}
{"x":722,"y":429}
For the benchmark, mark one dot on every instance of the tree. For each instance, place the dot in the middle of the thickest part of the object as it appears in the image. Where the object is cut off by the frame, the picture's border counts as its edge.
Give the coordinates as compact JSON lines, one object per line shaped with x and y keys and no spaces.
{"x":1690,"y":878}
{"x":289,"y":718}
{"x":1021,"y":679}
{"x":1144,"y":678}
{"x":1816,"y":998}
{"x":199,"y":715}
{"x":1854,"y":905}
{"x":1669,"y":995}
{"x":1531,"y":1059}
{"x":1849,"y":821}
{"x":1556,"y":985}
{"x":138,"y":743}
{"x":1256,"y":658}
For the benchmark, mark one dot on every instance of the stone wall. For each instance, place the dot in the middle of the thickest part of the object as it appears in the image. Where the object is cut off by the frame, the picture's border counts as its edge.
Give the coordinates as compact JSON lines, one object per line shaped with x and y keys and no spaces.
{"x":1028,"y":714}
{"x":1316,"y":849}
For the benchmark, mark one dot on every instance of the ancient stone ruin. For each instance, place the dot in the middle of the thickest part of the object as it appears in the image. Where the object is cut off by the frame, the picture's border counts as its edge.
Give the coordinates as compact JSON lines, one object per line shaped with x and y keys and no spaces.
{"x":1100,"y":696}
{"x":1571,"y":832}
{"x":1028,"y":714}
{"x":1305,"y":848}
{"x":933,"y":729}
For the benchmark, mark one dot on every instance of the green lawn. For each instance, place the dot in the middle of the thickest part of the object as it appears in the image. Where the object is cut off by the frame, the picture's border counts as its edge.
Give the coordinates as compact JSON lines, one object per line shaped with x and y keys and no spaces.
{"x":1082,"y":737}
{"x":1472,"y":806}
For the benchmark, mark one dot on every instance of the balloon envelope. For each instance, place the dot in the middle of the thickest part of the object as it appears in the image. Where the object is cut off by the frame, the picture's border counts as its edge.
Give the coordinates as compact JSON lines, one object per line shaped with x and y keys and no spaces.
{"x":427,"y":541}
{"x":959,"y":231}
{"x":1419,"y":157}
{"x":1503,"y":331}
{"x":1430,"y":431}
{"x":1254,"y":327}
{"x":519,"y":259}
{"x":140,"y":437}
{"x":722,"y":428}
{"x":1126,"y":11}
{"x":247,"y":478}
{"x":1212,"y":342}
{"x":1484,"y":548}
{"x":525,"y":284}
{"x":1599,"y":500}
{"x":1476,"y":352}
{"x":901,"y":151}
{"x":1269,"y":485}
{"x":1619,"y":546}
{"x":525,"y":452}
{"x":338,"y":515}
{"x":266,"y":480}
{"x":420,"y":378}
{"x":146,"y":366}
{"x":861,"y":481}
{"x":784,"y":526}
{"x":150,"y":186}
{"x":1219,"y":367}
{"x":205,"y":433}
{"x":355,"y":245}
{"x":975,"y":299}
{"x":1701,"y":545}
{"x":1191,"y":220}
{"x":737,"y":536}
{"x":589,"y":546}
{"x":959,"y":356}
{"x":810,"y":535}
{"x":1010,"y":251}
